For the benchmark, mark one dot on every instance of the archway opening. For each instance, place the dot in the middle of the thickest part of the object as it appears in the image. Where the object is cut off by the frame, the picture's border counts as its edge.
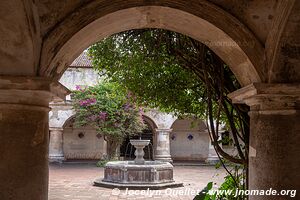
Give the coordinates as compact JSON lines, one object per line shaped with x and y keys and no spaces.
{"x":239,"y":59}
{"x":238,"y":48}
{"x":127,"y":150}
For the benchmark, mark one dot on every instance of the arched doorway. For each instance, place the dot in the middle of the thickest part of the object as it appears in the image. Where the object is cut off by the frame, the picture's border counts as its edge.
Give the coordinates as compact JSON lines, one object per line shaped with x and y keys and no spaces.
{"x":228,"y":40}
{"x":127,"y":150}
{"x":54,"y":61}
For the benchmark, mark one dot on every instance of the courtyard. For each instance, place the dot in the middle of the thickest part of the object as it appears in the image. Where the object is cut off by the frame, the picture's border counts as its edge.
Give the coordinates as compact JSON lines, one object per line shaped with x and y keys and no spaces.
{"x":240,"y":67}
{"x":75,"y":182}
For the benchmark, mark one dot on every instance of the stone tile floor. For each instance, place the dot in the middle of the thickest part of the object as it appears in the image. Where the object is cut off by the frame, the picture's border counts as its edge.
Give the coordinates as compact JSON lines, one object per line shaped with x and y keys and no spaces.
{"x":75,"y":182}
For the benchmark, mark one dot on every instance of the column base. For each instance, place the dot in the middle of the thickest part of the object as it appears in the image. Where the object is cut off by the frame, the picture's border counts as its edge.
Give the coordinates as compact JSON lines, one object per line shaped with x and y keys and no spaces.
{"x":164,"y":158}
{"x":212,"y":160}
{"x":56,"y":159}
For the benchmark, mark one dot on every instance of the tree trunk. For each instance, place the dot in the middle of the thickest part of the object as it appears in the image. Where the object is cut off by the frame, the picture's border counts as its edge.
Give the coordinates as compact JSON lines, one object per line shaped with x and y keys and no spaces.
{"x":112,"y":149}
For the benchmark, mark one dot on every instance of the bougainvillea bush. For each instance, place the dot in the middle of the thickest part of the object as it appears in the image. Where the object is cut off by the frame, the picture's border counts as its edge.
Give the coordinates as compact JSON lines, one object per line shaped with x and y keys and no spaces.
{"x":109,"y":108}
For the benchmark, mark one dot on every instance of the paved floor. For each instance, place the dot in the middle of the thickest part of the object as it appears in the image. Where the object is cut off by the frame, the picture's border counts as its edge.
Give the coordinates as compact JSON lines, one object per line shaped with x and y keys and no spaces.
{"x":75,"y":182}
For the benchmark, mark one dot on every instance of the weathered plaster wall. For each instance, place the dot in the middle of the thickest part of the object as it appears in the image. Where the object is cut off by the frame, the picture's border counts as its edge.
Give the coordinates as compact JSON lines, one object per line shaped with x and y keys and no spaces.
{"x":184,"y":149}
{"x":20,"y":38}
{"x":79,"y":76}
{"x":59,"y":114}
{"x":87,"y":147}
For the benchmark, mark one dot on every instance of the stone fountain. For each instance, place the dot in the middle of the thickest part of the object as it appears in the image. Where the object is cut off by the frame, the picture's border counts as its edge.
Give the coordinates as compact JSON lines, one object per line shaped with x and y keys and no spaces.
{"x":138,"y":174}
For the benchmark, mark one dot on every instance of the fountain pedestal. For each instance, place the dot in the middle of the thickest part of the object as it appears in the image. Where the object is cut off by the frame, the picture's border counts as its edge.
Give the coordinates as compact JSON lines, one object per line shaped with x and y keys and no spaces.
{"x":139,"y":152}
{"x":138,"y":174}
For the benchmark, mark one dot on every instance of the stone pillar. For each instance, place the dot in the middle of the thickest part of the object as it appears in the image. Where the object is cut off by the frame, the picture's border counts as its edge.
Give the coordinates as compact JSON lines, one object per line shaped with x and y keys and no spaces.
{"x":274,"y":160}
{"x":162,"y":152}
{"x":212,"y":154}
{"x":24,"y":137}
{"x":56,"y":153}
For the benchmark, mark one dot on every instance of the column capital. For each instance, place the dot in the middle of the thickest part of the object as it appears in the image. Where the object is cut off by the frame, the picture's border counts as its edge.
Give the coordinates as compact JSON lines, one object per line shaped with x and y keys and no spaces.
{"x":163,"y":130}
{"x":281,"y":98}
{"x":30,"y":90}
{"x":56,"y":129}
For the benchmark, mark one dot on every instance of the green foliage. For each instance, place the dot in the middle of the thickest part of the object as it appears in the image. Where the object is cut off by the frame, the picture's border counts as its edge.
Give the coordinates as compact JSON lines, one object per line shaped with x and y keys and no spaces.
{"x":136,"y":61}
{"x":177,"y":74}
{"x":157,"y":66}
{"x":102,"y":163}
{"x":203,"y":195}
{"x":111,"y":109}
{"x":228,"y":190}
{"x":234,"y":182}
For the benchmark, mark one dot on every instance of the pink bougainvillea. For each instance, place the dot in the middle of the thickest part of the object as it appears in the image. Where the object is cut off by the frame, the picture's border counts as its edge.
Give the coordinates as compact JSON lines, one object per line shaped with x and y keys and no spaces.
{"x":102,"y":116}
{"x":78,"y":87}
{"x":87,"y":102}
{"x":108,"y":108}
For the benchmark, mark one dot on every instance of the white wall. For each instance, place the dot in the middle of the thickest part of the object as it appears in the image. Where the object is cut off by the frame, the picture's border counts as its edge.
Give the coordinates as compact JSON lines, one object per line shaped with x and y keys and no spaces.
{"x":88,"y":147}
{"x":184,"y":149}
{"x":79,"y":76}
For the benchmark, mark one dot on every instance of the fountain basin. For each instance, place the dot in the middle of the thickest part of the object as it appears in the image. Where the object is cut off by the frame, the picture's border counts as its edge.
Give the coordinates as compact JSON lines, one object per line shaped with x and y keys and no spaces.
{"x":138,"y":174}
{"x":128,"y":174}
{"x":141,"y":143}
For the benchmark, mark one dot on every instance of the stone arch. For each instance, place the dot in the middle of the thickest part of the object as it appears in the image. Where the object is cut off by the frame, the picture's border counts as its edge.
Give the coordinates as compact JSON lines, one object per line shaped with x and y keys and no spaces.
{"x":220,"y":31}
{"x":160,"y":119}
{"x":282,"y":54}
{"x":150,"y":122}
{"x":58,"y":116}
{"x":69,"y":121}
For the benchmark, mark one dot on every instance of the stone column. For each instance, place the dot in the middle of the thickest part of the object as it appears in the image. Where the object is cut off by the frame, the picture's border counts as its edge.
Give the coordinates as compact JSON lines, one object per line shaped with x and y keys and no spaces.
{"x":24,"y":137}
{"x":212,"y":154}
{"x":274,"y":160}
{"x":162,"y":152}
{"x":56,"y":153}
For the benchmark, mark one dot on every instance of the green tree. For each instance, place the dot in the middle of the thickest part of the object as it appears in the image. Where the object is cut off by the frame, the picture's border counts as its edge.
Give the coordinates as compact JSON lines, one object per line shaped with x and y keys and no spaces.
{"x":111,"y":110}
{"x":176,"y":73}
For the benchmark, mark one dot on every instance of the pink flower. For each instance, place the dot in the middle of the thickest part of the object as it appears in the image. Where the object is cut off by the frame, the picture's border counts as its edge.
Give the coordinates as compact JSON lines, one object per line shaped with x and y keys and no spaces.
{"x":117,"y":125}
{"x":126,"y":106}
{"x":91,"y":101}
{"x":87,"y":102}
{"x":78,"y":87}
{"x":93,"y":117}
{"x":102,"y":116}
{"x":82,"y":103}
{"x":141,"y":111}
